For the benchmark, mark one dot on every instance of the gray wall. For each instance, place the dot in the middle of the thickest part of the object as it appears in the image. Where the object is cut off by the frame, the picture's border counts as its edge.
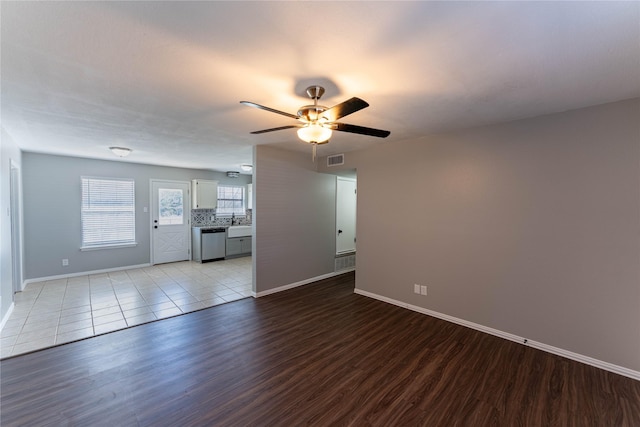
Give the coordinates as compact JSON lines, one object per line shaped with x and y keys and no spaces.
{"x":52,"y":231}
{"x":530,"y":227}
{"x":294,"y":217}
{"x":9,"y":152}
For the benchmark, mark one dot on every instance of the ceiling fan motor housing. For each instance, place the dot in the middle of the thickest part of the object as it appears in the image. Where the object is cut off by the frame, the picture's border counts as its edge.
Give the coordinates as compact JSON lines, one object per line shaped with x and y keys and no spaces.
{"x":311,"y":113}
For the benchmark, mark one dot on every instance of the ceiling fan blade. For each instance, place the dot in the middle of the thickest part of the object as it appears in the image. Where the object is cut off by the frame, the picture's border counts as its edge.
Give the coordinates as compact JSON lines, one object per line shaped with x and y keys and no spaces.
{"x":345,"y":108}
{"x":262,"y":107}
{"x":274,"y":129}
{"x":360,"y":129}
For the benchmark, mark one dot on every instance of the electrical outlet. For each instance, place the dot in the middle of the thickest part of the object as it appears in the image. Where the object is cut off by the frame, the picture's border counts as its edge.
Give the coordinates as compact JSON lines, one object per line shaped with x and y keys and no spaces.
{"x":423,"y":290}
{"x":65,"y":262}
{"x":416,"y":288}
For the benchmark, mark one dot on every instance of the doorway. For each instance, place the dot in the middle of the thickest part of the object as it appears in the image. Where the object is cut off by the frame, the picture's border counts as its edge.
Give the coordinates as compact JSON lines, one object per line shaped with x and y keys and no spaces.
{"x":346,"y":201}
{"x":170,"y":221}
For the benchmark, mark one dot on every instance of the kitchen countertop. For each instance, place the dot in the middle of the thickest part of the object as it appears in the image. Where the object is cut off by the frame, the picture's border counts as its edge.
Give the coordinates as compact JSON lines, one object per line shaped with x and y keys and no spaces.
{"x":217,"y":226}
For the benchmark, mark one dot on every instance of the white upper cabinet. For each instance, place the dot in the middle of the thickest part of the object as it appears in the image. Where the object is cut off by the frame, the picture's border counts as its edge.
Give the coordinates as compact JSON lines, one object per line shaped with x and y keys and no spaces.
{"x":204,"y":194}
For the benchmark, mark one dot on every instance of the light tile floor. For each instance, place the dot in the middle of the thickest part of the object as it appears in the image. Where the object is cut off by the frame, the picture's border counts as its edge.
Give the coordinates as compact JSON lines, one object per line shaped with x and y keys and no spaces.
{"x":64,"y":310}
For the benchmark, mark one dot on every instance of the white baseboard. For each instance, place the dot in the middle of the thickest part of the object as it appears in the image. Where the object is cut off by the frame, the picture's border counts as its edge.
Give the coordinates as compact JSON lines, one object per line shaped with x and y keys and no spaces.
{"x":83,"y":273}
{"x":301,"y":283}
{"x":6,"y":316}
{"x":521,"y":340}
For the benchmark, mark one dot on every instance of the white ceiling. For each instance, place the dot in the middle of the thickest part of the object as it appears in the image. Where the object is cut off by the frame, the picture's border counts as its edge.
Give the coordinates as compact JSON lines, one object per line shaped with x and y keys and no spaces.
{"x":166,"y":78}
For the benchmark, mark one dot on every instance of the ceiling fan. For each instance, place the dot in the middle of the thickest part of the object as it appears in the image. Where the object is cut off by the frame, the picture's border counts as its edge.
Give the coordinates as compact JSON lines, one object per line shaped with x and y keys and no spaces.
{"x":317,"y":122}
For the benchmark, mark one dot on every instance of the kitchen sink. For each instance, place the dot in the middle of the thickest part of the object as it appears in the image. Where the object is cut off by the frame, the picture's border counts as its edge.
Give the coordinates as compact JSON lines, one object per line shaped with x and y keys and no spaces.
{"x":239,"y":231}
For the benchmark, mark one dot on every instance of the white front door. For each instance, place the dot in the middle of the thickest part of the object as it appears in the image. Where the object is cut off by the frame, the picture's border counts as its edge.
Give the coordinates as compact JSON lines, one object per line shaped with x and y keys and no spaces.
{"x":170,"y":221}
{"x":346,"y":201}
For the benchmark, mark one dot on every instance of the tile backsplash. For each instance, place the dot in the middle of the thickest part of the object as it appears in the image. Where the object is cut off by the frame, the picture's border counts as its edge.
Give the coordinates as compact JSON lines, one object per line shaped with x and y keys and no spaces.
{"x":202,"y":218}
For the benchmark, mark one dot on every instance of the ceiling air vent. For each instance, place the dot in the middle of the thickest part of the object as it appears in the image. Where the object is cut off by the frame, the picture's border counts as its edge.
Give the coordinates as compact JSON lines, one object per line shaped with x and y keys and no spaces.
{"x":335,"y":160}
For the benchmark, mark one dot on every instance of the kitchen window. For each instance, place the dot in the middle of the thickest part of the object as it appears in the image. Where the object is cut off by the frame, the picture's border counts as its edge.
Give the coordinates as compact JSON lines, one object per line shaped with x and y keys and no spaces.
{"x":108,"y":213}
{"x":231,"y":200}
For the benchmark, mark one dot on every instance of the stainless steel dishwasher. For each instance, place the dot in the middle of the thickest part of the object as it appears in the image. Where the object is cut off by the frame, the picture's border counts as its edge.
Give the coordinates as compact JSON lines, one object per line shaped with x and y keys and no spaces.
{"x":209,"y":244}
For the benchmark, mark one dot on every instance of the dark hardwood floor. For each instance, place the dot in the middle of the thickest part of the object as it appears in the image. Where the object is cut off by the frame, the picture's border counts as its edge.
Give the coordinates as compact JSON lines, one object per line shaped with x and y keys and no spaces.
{"x":315,"y":355}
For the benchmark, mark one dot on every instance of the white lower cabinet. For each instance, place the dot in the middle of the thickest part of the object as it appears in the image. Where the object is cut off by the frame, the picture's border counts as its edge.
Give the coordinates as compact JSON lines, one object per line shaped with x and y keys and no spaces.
{"x":238,"y":246}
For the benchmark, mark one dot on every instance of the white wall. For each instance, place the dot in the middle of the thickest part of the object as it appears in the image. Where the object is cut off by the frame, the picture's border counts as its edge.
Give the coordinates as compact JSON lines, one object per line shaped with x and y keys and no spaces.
{"x":294,"y":217}
{"x":9,"y":152}
{"x":530,"y":227}
{"x":52,"y":230}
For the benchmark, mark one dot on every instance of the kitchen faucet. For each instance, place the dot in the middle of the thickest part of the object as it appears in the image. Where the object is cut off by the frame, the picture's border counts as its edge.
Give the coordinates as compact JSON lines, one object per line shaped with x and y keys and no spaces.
{"x":233,"y":218}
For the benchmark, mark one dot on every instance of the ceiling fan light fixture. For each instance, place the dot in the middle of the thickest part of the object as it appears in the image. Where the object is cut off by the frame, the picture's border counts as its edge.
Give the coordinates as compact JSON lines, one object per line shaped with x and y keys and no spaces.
{"x":120,"y":151}
{"x":314,"y":133}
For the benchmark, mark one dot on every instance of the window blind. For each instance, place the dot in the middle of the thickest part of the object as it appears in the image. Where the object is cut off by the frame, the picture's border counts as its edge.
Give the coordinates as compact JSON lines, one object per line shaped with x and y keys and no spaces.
{"x":108,"y":212}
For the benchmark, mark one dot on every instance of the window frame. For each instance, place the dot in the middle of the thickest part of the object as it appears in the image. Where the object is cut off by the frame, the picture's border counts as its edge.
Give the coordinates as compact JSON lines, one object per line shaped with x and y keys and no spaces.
{"x":129,"y":209}
{"x":244,"y":201}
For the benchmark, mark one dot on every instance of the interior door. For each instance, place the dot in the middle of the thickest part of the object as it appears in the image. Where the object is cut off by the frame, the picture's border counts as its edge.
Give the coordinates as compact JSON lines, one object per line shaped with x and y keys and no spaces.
{"x":346,"y":201}
{"x":171,"y":218}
